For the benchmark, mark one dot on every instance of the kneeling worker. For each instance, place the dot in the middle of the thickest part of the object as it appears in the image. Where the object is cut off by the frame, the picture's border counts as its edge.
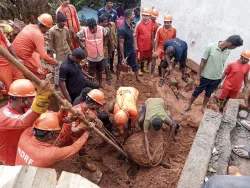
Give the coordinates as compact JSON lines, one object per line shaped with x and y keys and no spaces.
{"x":73,"y":131}
{"x":153,"y":114}
{"x":124,"y":108}
{"x":34,"y":146}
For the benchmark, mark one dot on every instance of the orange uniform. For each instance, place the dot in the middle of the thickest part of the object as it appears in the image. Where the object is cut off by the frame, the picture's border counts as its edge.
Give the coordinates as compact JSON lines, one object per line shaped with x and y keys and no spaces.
{"x":162,"y":35}
{"x":67,"y":136}
{"x":40,"y":154}
{"x":29,"y":46}
{"x":143,"y":33}
{"x":155,"y":26}
{"x":12,"y":125}
{"x":73,"y":21}
{"x":9,"y":73}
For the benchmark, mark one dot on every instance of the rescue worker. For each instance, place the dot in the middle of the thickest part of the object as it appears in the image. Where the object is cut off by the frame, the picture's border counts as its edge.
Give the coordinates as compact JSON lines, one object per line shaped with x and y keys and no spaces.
{"x":211,"y":68}
{"x":35,"y":148}
{"x":124,"y":108}
{"x":92,"y":37}
{"x":176,"y":48}
{"x":72,"y":131}
{"x":144,"y":41}
{"x":73,"y":23}
{"x":136,"y":18}
{"x":16,"y":116}
{"x":30,"y":46}
{"x":234,"y":75}
{"x":126,"y":45}
{"x":9,"y":73}
{"x":103,"y":21}
{"x":154,"y":16}
{"x":163,"y":34}
{"x":153,"y":115}
{"x":59,"y":43}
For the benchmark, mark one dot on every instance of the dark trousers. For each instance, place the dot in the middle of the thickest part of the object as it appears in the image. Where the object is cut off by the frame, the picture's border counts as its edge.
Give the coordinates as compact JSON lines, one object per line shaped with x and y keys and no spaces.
{"x":111,"y":61}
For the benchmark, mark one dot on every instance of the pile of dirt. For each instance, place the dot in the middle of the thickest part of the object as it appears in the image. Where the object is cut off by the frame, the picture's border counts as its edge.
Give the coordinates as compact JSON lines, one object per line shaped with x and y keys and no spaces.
{"x":107,"y":160}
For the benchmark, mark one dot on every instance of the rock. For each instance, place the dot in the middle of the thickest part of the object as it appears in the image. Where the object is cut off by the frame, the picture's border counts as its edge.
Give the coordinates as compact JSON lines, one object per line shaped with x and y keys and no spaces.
{"x":180,"y":96}
{"x":172,"y":81}
{"x":243,"y":114}
{"x":233,"y":170}
{"x":96,"y":176}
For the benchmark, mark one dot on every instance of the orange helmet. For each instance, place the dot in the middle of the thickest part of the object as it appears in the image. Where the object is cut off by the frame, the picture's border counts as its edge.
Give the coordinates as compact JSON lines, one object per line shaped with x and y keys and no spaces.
{"x":168,"y":17}
{"x":47,"y":122}
{"x":22,"y":88}
{"x":146,"y":11}
{"x":246,"y":54}
{"x":97,"y":95}
{"x":120,"y":117}
{"x":155,"y":13}
{"x":46,"y":19}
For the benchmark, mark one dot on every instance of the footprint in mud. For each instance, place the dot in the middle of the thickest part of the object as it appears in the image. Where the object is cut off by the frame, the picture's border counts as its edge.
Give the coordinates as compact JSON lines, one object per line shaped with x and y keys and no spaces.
{"x":133,"y":171}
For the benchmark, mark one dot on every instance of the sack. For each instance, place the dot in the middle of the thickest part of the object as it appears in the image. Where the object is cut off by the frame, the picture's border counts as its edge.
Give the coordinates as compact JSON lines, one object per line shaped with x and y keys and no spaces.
{"x":136,"y":150}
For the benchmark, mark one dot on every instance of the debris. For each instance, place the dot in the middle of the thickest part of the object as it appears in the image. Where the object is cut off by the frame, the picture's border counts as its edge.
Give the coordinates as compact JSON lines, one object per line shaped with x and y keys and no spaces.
{"x":192,"y":65}
{"x":215,"y":152}
{"x":211,"y":169}
{"x":206,"y":179}
{"x":243,"y":114}
{"x":172,"y":81}
{"x":165,"y":165}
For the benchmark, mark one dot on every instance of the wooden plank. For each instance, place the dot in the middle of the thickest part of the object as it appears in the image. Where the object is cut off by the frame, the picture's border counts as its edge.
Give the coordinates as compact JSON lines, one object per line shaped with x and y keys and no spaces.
{"x":33,"y":177}
{"x":69,"y":180}
{"x":9,"y":176}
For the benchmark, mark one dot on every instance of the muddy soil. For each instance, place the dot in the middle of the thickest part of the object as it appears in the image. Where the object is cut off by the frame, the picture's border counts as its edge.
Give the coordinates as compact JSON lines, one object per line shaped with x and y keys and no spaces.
{"x":115,"y":170}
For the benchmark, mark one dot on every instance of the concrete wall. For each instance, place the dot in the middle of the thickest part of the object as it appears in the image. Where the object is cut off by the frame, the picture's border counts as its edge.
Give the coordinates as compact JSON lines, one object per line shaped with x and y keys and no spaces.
{"x":206,"y":21}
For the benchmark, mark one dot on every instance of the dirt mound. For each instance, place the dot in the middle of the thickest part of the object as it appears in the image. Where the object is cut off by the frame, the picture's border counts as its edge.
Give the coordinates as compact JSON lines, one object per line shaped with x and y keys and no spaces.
{"x":135,"y":148}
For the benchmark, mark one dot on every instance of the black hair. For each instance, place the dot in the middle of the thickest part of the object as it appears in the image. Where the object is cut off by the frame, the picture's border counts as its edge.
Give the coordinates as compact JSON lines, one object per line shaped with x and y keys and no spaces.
{"x":40,"y":24}
{"x":40,"y":134}
{"x":235,"y":40}
{"x":157,"y":123}
{"x":91,"y":23}
{"x":108,"y":15}
{"x":171,"y":48}
{"x":109,"y":1}
{"x":102,"y":18}
{"x":128,"y":13}
{"x":84,"y":93}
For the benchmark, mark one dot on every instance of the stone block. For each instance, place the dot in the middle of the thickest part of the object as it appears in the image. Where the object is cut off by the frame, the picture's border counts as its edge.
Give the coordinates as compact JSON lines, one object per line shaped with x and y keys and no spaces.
{"x":192,"y":65}
{"x":195,"y":168}
{"x":172,"y":81}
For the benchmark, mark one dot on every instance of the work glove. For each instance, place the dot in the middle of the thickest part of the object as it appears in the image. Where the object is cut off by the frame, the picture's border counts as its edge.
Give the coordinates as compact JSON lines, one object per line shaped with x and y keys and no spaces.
{"x":43,"y":95}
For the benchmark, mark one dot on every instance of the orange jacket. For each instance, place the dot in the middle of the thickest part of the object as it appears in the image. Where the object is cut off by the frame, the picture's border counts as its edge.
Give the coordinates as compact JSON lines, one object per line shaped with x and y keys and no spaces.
{"x":3,"y":43}
{"x":73,"y":21}
{"x":163,"y":35}
{"x":31,"y":40}
{"x":12,"y":125}
{"x":40,"y":154}
{"x":94,"y":43}
{"x":126,"y":98}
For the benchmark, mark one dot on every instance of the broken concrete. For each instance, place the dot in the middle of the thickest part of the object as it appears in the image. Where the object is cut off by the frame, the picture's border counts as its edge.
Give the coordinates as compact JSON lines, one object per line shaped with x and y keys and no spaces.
{"x":195,"y":168}
{"x":222,"y":143}
{"x":172,"y":81}
{"x":243,"y":114}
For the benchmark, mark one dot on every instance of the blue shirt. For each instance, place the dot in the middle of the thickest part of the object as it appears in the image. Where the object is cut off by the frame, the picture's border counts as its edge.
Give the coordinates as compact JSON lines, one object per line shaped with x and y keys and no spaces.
{"x":180,"y":47}
{"x":135,"y":21}
{"x":125,"y":31}
{"x":112,"y":12}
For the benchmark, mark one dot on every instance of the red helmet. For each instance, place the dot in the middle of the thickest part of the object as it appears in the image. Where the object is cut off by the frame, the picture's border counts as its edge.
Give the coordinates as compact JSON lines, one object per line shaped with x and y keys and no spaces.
{"x":47,"y":122}
{"x":46,"y":19}
{"x":22,"y":88}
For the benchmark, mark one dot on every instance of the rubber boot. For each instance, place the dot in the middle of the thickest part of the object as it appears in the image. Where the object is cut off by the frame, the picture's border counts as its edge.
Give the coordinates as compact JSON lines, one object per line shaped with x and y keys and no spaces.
{"x":139,"y":70}
{"x":159,"y":70}
{"x":86,"y":165}
{"x":143,"y":67}
{"x":145,"y":70}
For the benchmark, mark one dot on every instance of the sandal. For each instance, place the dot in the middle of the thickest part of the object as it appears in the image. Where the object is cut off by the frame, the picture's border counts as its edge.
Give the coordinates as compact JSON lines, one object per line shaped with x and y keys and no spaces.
{"x":160,"y":84}
{"x":246,"y":148}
